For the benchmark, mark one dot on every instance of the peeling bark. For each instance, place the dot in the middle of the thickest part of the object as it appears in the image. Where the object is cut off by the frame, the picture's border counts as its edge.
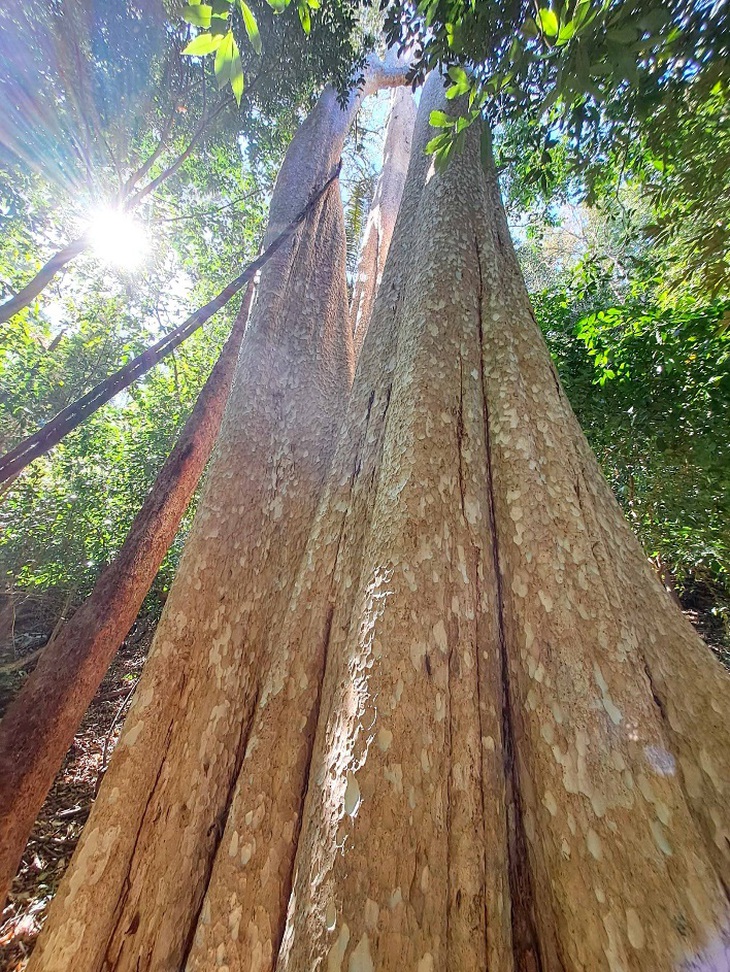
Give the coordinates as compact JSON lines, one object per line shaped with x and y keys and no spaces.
{"x":484,"y":737}
{"x":383,"y":212}
{"x":458,"y":761}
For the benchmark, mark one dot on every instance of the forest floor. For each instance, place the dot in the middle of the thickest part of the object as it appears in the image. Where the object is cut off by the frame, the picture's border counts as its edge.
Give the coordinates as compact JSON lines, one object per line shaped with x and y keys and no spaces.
{"x":62,"y":818}
{"x":64,"y":813}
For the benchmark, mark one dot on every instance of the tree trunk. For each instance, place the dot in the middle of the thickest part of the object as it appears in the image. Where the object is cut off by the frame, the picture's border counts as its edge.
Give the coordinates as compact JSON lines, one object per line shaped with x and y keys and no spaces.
{"x":483,"y":737}
{"x":39,"y":726}
{"x":383,"y":212}
{"x":41,"y":280}
{"x":133,"y":895}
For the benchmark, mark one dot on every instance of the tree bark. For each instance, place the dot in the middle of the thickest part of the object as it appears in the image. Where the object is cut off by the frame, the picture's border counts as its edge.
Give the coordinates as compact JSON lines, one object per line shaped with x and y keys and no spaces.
{"x":132,"y":898}
{"x":479,"y":734}
{"x":39,"y":726}
{"x":41,"y":280}
{"x":383,"y":212}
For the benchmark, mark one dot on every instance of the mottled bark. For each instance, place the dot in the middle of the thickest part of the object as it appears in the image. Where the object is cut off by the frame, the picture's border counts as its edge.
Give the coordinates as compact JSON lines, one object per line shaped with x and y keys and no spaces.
{"x":482,"y":737}
{"x":486,"y":739}
{"x":383,"y":212}
{"x":132,"y":895}
{"x":39,"y":726}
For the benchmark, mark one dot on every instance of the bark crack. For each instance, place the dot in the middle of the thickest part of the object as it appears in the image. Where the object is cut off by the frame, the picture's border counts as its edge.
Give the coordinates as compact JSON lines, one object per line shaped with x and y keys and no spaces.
{"x":480,"y":709}
{"x":460,"y":434}
{"x":449,"y":835}
{"x":219,"y":824}
{"x":110,"y":962}
{"x":525,"y":942}
{"x":310,"y":733}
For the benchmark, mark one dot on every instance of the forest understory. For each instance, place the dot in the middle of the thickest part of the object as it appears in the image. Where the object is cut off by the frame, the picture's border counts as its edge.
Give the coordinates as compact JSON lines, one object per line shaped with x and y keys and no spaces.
{"x":388,"y":347}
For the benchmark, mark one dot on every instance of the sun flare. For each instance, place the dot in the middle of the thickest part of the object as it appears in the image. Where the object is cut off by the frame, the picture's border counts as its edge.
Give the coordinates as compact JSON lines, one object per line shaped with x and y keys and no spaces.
{"x":118,"y":239}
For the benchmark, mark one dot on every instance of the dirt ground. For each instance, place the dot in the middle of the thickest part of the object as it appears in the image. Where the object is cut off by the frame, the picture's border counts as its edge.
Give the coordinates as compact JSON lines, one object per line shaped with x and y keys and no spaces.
{"x":64,"y":813}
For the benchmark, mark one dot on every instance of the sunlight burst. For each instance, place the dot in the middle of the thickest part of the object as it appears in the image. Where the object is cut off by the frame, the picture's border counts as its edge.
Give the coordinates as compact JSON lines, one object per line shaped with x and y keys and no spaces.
{"x":118,"y":239}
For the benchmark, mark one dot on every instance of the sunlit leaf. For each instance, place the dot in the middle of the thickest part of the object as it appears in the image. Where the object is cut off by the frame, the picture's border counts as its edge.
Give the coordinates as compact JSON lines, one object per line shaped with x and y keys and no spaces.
{"x":548,"y":21}
{"x":305,"y":17}
{"x":197,"y":14}
{"x":252,"y":28}
{"x":203,"y":44}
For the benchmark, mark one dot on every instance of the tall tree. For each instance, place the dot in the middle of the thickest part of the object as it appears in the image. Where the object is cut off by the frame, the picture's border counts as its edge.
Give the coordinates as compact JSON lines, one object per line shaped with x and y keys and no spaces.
{"x":383,"y":212}
{"x":200,"y":690}
{"x":478,"y":734}
{"x":500,"y":663}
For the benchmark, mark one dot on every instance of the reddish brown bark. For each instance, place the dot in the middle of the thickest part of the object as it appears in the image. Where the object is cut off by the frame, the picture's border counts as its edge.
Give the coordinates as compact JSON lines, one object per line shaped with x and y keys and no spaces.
{"x":40,"y":724}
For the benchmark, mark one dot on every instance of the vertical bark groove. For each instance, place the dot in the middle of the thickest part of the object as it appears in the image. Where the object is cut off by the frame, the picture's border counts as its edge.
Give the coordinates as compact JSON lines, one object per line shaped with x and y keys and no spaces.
{"x":525,"y":940}
{"x":218,"y":826}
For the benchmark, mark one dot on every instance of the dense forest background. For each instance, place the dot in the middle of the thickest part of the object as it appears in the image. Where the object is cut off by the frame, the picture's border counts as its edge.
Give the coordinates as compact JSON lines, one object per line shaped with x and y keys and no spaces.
{"x":624,"y":248}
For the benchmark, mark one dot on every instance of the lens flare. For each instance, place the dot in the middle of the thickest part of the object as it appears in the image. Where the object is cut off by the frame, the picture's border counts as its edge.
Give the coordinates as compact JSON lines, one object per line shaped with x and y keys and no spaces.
{"x":118,"y":239}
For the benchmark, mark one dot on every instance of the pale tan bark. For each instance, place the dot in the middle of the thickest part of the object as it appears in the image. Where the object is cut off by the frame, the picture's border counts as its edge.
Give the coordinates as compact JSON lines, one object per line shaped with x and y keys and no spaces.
{"x":459,"y":760}
{"x":141,"y":869}
{"x":133,"y":892}
{"x":383,"y":212}
{"x":484,"y":738}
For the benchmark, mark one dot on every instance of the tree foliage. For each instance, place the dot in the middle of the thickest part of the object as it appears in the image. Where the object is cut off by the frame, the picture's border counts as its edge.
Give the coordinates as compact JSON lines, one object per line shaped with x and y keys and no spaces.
{"x":620,"y":88}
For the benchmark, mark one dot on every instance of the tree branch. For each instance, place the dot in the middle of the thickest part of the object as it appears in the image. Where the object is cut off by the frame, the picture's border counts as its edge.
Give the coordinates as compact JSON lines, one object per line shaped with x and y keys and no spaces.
{"x":44,"y":276}
{"x":74,"y":414}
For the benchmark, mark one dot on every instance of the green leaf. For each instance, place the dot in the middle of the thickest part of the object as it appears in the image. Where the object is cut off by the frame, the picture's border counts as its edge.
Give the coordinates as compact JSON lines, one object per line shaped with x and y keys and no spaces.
{"x":203,"y":44}
{"x":439,"y":119}
{"x":252,"y":28}
{"x":219,"y":26}
{"x":237,"y":79}
{"x":441,"y":158}
{"x":227,"y":50}
{"x":582,"y":9}
{"x":459,"y":76}
{"x":655,"y":19}
{"x":437,"y":143}
{"x":197,"y":14}
{"x":304,"y":17}
{"x":278,"y":6}
{"x":565,"y":33}
{"x":548,"y":21}
{"x":622,"y":35}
